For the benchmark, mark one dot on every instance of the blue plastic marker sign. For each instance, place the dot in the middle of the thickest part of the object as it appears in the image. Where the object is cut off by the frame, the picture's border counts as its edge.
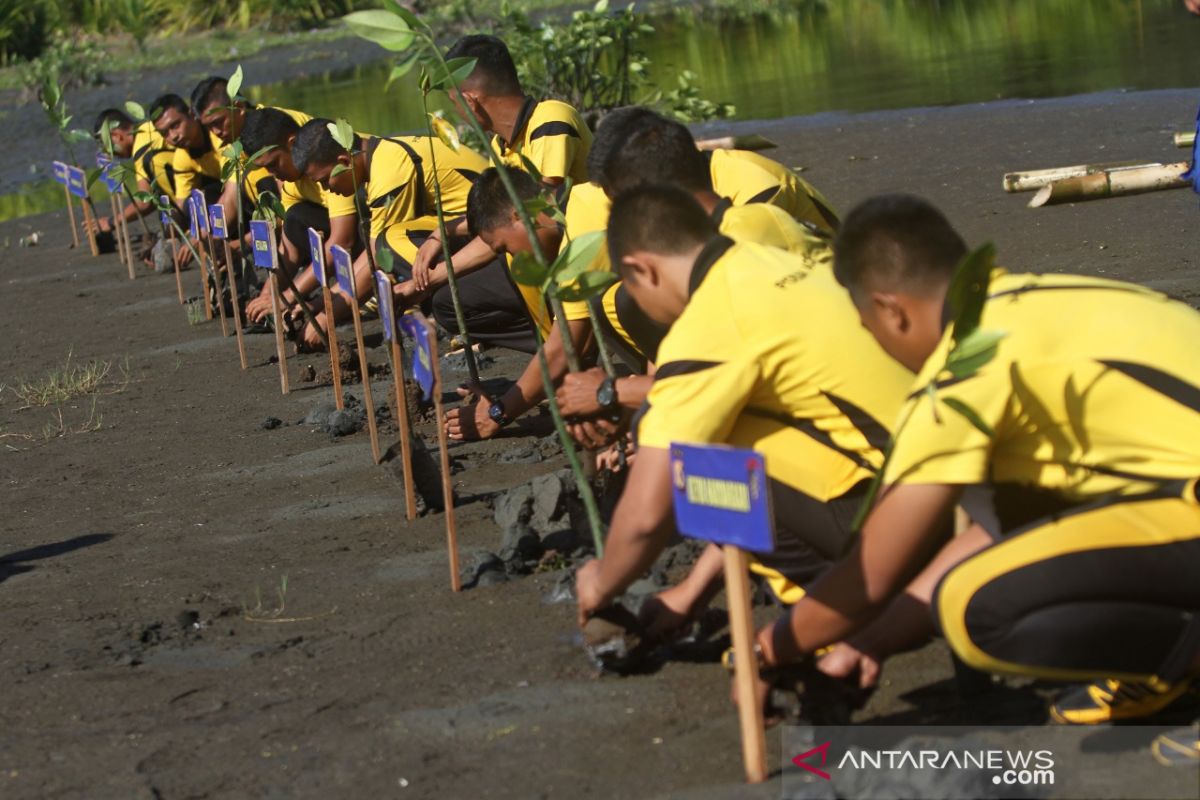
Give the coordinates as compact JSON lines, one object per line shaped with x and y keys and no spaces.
{"x":106,"y":177}
{"x":201,"y":205}
{"x":165,"y":214}
{"x":60,"y":172}
{"x":77,"y":181}
{"x":387,"y":306}
{"x":216,"y":221}
{"x":193,"y":227}
{"x":721,"y":495}
{"x":422,"y":367}
{"x":343,"y":268}
{"x":263,"y":235}
{"x":318,"y":255}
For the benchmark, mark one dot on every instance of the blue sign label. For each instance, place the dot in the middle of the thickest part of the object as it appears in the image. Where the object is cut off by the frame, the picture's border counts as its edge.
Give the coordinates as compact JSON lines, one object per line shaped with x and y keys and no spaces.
{"x":60,"y":172}
{"x":102,"y":160}
{"x":165,"y":214}
{"x":318,"y":255}
{"x":193,"y":213}
{"x":343,"y":268}
{"x":216,"y":221}
{"x":111,"y":182}
{"x":201,"y":206}
{"x":387,"y":305}
{"x":422,"y":367}
{"x":722,"y":495}
{"x":264,"y":243}
{"x":77,"y":181}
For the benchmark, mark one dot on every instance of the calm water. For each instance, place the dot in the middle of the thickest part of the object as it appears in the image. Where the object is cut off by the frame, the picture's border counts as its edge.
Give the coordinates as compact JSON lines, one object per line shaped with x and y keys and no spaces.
{"x":851,"y":55}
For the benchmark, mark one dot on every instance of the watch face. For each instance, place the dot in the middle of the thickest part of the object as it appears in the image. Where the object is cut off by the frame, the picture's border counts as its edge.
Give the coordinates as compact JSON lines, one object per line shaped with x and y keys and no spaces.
{"x":606,"y":395}
{"x":496,"y":412}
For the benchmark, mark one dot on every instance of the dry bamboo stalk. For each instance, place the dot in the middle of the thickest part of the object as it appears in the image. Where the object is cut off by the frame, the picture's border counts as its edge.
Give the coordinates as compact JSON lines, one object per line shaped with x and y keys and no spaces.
{"x":71,"y":212}
{"x":217,"y":283}
{"x":1112,"y":183}
{"x":237,"y":306}
{"x":1185,"y":139}
{"x":741,"y":626}
{"x":749,"y":141}
{"x":1037,"y":178}
{"x":175,"y":261}
{"x":439,"y":414}
{"x":122,"y":232}
{"x":280,"y":350}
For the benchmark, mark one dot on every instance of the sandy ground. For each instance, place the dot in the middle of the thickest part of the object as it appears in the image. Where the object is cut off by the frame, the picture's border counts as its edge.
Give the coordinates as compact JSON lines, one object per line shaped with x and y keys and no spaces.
{"x":145,"y":648}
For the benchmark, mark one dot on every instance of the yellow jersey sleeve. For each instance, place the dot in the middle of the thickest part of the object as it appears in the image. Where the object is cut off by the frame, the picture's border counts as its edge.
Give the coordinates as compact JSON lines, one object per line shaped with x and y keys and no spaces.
{"x":555,"y":139}
{"x":587,"y":211}
{"x":768,"y":225}
{"x":745,"y":177}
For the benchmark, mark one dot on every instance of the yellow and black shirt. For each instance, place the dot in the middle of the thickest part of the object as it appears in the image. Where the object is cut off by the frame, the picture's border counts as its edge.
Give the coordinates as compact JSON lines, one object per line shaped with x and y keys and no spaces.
{"x":197,"y":168}
{"x":400,"y":180}
{"x":1094,"y":390}
{"x":745,"y":177}
{"x":553,"y":136}
{"x":153,"y":159}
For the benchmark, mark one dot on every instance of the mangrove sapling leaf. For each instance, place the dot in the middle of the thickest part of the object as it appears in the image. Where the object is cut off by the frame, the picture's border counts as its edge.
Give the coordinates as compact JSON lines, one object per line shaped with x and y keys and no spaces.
{"x":528,"y":271}
{"x":77,"y":135}
{"x":234,"y":84}
{"x":536,"y":205}
{"x":385,"y":260}
{"x":586,"y":286}
{"x":444,"y":130}
{"x":135,"y":111}
{"x":968,"y":290}
{"x":338,"y":170}
{"x":574,"y":260}
{"x":973,"y":352}
{"x":402,"y":68}
{"x":92,"y":174}
{"x":342,"y":132}
{"x":969,"y":415}
{"x":531,"y":168}
{"x":385,"y":28}
{"x":447,"y":75}
{"x":410,"y":19}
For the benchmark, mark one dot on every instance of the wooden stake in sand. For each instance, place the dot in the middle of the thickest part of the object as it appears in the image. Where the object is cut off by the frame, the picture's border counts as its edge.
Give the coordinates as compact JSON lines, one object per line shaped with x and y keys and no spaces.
{"x":195,"y":212}
{"x":1113,"y":183}
{"x":391,"y":334}
{"x":316,"y":244}
{"x":720,"y":495}
{"x":202,"y":204}
{"x":344,"y":269}
{"x":77,"y":183}
{"x":120,"y":230}
{"x":219,"y":230}
{"x":428,"y":376}
{"x":1033,"y":179}
{"x":62,"y":174}
{"x":165,"y":216}
{"x":123,"y":225}
{"x":266,"y":255}
{"x":112,"y":202}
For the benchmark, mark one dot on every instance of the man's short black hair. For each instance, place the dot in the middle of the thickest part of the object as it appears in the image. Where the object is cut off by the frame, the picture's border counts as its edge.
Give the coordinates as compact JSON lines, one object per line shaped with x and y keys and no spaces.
{"x":615,"y":125}
{"x":165,"y":101}
{"x":110,"y":115}
{"x":488,"y":203}
{"x":653,"y":149}
{"x":264,"y":127}
{"x":897,"y":242}
{"x":315,"y":145}
{"x":211,"y":90}
{"x":656,"y":218}
{"x":495,"y":74}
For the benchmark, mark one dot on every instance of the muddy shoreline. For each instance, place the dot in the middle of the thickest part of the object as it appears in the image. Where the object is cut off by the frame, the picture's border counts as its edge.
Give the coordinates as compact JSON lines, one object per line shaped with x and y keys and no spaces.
{"x":148,"y":646}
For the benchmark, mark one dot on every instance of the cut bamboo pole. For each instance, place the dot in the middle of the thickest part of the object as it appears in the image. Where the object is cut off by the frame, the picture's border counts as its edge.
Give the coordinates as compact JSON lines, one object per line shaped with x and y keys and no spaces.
{"x":741,"y":625}
{"x":71,"y":213}
{"x":237,"y":304}
{"x":218,"y":283}
{"x":1037,"y":178}
{"x":280,"y":351}
{"x":122,"y":231}
{"x":1112,"y":183}
{"x":112,"y":204}
{"x":165,"y":219}
{"x":443,"y":448}
{"x":343,"y":266}
{"x":749,"y":141}
{"x":1186,"y":139}
{"x":391,"y":334}
{"x":89,"y":225}
{"x":316,"y":246}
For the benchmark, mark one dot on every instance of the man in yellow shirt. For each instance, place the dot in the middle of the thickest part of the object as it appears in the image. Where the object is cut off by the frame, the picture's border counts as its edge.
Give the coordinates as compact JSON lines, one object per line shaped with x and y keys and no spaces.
{"x":550,"y":134}
{"x":1076,"y":450}
{"x":152,"y":159}
{"x":756,"y":357}
{"x":398,"y":178}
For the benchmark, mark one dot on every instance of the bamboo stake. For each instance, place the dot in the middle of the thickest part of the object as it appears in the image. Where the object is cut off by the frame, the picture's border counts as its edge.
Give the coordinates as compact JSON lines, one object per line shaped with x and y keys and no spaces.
{"x":342,"y":265}
{"x":91,"y":233}
{"x":387,"y":314}
{"x":1185,"y":139}
{"x":218,"y":284}
{"x":277,"y":309}
{"x":174,"y":248}
{"x":316,"y":247}
{"x":112,"y":203}
{"x":122,"y":231}
{"x":71,"y":213}
{"x":750,"y":719}
{"x":1112,"y":183}
{"x":1037,"y":178}
{"x":748,"y":141}
{"x":443,"y":447}
{"x":237,"y":306}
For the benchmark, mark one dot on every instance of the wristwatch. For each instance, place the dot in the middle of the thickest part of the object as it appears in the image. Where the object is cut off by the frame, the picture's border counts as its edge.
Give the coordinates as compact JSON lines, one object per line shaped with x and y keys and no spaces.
{"x":496,"y":412}
{"x":606,"y":394}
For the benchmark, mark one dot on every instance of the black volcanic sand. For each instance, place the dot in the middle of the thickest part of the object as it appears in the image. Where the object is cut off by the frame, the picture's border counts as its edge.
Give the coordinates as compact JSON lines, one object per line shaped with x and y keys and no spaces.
{"x":143,"y":651}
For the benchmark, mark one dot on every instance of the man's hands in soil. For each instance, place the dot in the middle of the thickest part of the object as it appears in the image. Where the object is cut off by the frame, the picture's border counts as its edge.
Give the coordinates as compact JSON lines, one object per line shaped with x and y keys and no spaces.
{"x":588,"y":592}
{"x":423,"y":263}
{"x":407,"y":294}
{"x":847,"y":662}
{"x":665,"y":614}
{"x":259,"y":308}
{"x":595,"y":434}
{"x":101,"y":224}
{"x":471,"y":421}
{"x":577,"y":394}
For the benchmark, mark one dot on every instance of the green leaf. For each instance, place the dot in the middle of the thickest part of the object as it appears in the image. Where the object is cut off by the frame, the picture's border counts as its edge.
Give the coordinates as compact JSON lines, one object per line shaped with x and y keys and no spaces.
{"x":577,"y":257}
{"x":968,"y":290}
{"x":527,"y":271}
{"x":384,"y":28}
{"x":410,"y":19}
{"x":970,"y":354}
{"x":147,"y":197}
{"x":234,"y":84}
{"x":586,"y":286}
{"x":535,"y":206}
{"x":76,"y":135}
{"x":343,"y":133}
{"x":92,"y":174}
{"x":600,"y":7}
{"x":136,"y":111}
{"x":106,"y":136}
{"x":384,"y":259}
{"x":531,"y":168}
{"x":402,"y":68}
{"x":449,"y":75}
{"x":969,"y":415}
{"x":444,"y":130}
{"x":338,"y":170}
